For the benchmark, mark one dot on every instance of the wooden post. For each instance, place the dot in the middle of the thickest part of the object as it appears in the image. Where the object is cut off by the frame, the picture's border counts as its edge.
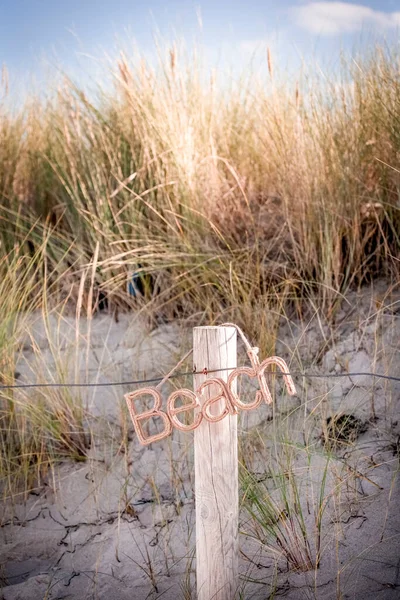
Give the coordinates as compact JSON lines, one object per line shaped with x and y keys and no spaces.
{"x":216,"y":472}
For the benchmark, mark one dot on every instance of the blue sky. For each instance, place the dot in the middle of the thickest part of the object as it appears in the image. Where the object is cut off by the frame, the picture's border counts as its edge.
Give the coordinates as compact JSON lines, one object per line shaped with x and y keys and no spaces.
{"x":63,"y":30}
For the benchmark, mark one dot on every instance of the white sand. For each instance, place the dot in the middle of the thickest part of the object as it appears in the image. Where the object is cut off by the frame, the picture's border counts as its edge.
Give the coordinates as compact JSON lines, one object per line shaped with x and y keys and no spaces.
{"x":122,"y":525}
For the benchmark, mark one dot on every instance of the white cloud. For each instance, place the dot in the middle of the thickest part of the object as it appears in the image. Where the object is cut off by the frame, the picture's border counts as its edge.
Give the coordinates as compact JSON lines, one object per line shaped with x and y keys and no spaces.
{"x":331,"y":18}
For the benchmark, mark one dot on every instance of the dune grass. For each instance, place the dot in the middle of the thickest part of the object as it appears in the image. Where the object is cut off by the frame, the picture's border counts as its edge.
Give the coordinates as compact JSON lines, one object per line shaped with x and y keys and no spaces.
{"x":235,"y":196}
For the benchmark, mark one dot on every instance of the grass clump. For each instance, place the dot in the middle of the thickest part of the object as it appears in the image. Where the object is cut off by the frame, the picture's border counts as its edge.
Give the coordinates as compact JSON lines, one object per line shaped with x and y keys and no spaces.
{"x":37,"y":427}
{"x":235,"y":198}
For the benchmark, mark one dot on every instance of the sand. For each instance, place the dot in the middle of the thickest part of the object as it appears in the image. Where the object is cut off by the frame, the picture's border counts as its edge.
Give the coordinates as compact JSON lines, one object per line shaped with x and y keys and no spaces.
{"x":120,"y":524}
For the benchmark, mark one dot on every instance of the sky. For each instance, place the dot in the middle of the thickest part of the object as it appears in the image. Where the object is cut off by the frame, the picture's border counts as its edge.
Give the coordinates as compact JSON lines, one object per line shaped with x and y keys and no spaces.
{"x":34,"y":33}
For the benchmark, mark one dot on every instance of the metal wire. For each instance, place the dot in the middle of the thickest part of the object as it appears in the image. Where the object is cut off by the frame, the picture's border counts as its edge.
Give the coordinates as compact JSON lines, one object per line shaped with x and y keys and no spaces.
{"x":185,"y":374}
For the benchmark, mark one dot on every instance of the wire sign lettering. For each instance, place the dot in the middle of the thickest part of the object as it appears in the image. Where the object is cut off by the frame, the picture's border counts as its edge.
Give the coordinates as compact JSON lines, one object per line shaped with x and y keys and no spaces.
{"x":225,"y":392}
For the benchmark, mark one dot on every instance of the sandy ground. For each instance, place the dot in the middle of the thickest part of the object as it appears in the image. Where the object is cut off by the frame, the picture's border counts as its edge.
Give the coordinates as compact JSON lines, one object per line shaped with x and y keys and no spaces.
{"x":120,"y":524}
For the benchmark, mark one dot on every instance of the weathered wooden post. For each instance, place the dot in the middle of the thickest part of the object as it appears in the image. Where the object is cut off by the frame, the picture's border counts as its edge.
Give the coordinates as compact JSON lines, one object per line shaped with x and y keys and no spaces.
{"x":216,"y":471}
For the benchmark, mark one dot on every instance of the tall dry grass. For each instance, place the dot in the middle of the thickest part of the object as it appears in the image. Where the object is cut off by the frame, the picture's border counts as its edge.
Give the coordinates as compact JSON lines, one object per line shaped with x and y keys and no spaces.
{"x":236,"y":197}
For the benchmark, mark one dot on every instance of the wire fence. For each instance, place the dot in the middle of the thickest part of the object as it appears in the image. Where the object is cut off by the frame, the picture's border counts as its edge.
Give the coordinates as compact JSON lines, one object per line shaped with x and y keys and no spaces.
{"x":188,"y":373}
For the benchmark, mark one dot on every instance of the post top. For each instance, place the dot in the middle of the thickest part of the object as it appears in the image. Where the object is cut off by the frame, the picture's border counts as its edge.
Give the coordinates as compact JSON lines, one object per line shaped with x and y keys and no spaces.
{"x":214,"y":327}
